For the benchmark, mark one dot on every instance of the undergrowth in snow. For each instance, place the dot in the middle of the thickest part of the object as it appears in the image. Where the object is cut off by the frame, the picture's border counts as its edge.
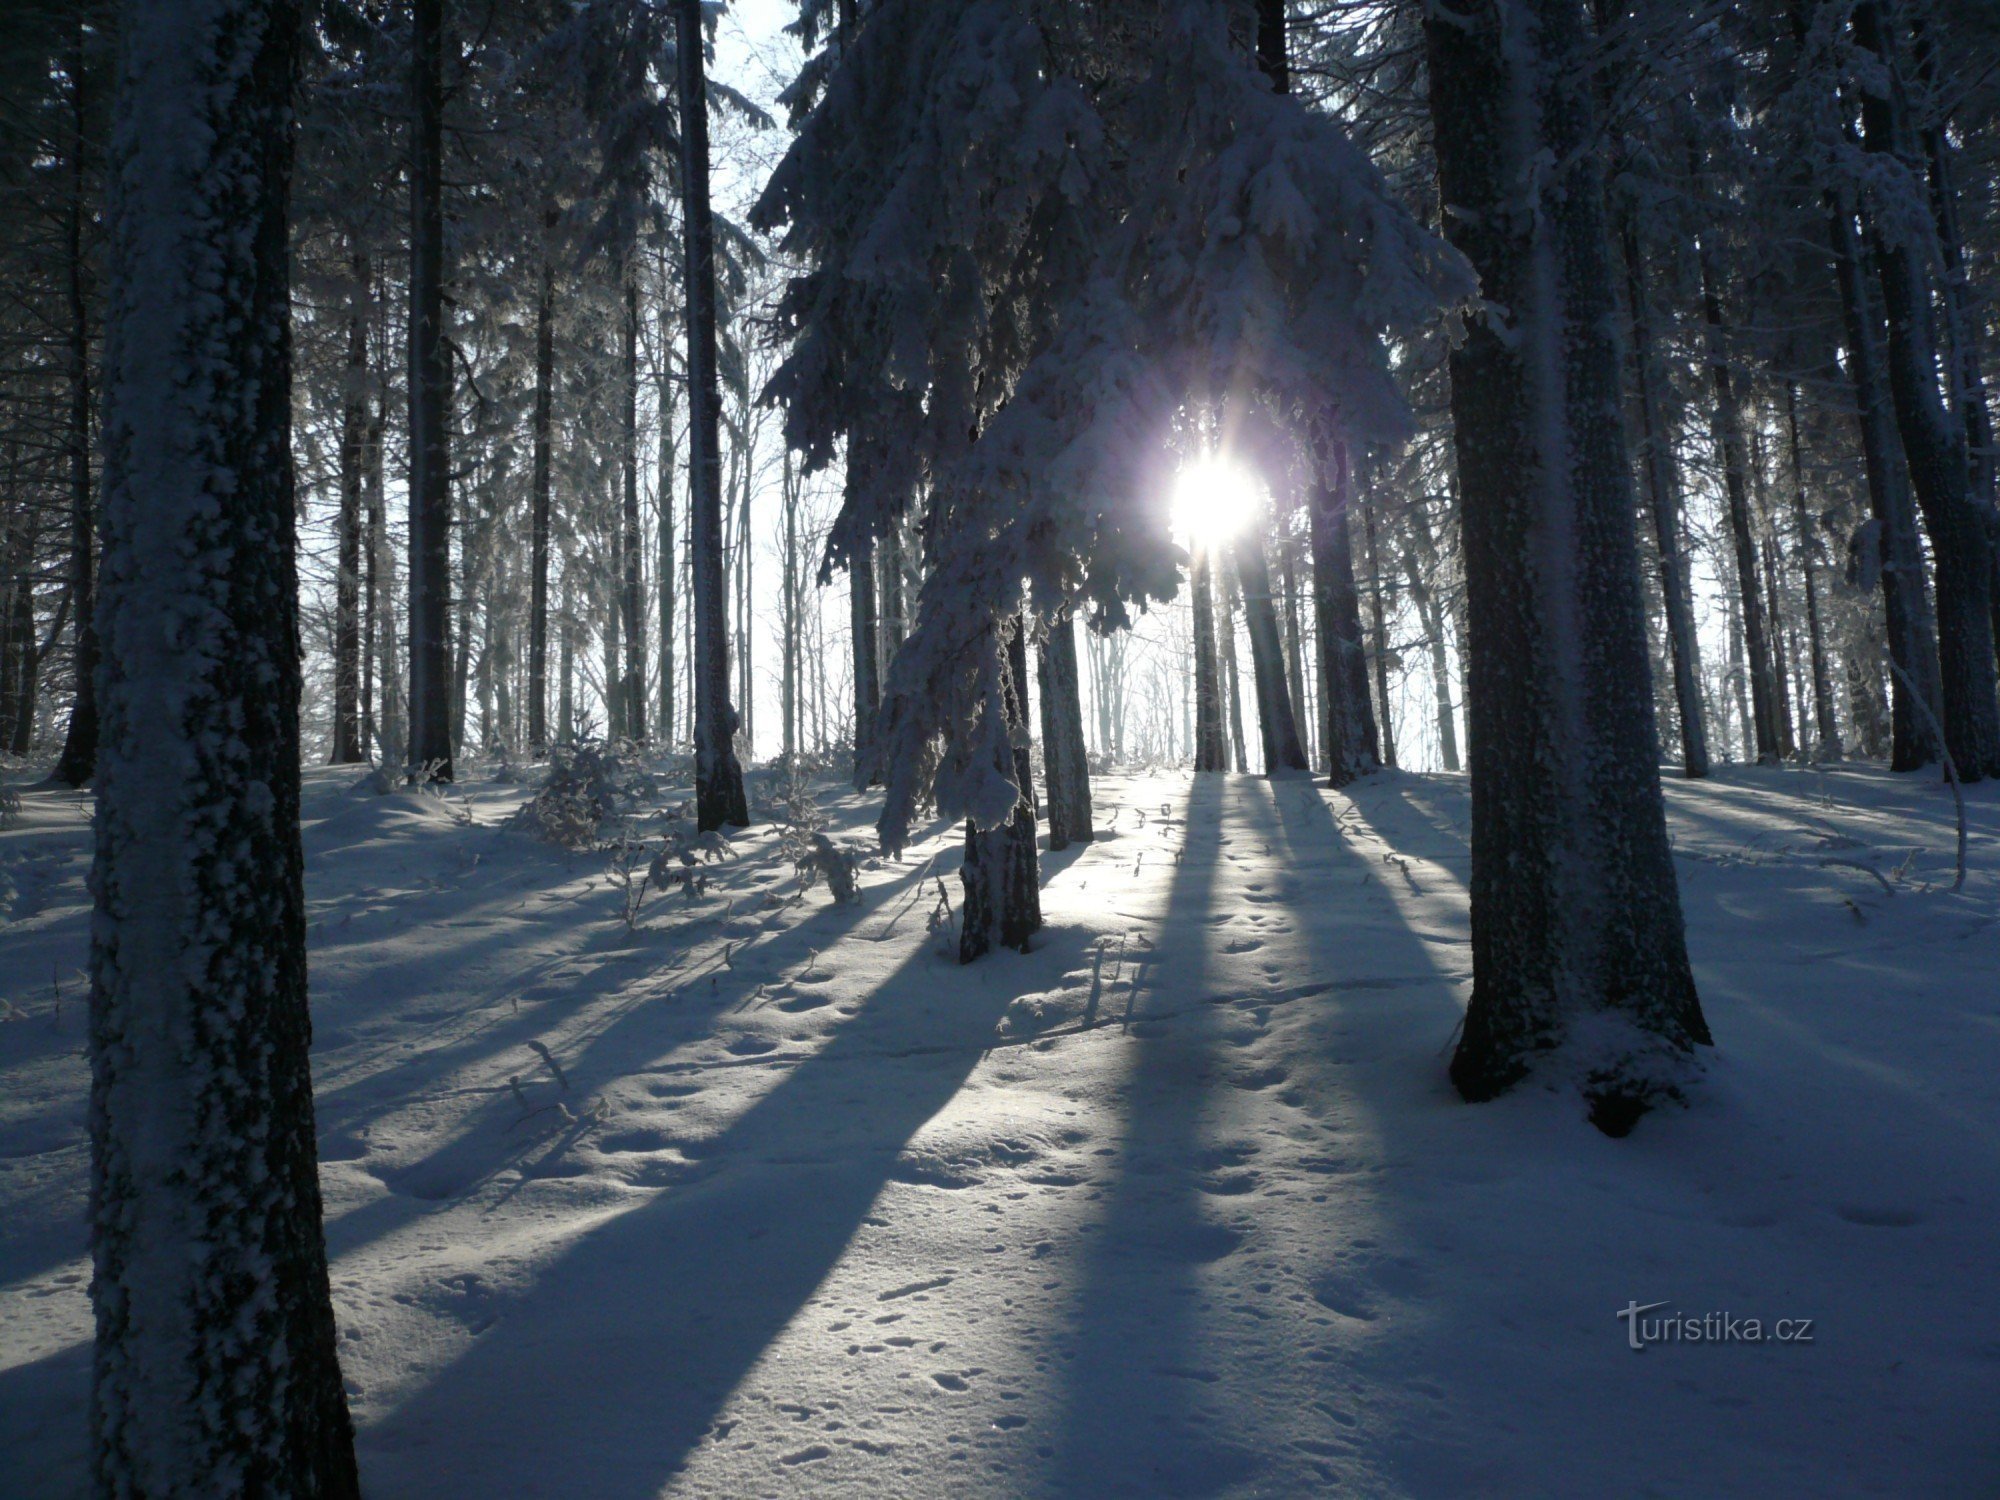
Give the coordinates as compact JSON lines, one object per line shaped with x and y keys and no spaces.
{"x":760,"y":1193}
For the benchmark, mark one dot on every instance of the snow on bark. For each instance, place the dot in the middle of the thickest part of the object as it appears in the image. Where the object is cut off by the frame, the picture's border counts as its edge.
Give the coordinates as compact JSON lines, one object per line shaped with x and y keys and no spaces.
{"x":215,"y":1370}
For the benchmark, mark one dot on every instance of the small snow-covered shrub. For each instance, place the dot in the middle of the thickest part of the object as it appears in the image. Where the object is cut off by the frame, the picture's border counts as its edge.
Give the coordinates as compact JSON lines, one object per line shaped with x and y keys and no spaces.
{"x":588,"y":784}
{"x":814,"y":856}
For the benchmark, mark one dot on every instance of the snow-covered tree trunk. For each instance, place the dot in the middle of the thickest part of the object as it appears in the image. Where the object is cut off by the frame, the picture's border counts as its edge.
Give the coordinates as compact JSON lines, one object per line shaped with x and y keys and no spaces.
{"x":78,"y":761}
{"x":348,"y":745}
{"x":538,"y":508}
{"x":431,"y":677}
{"x":1064,"y":758}
{"x":1276,"y":723}
{"x":215,"y":1370}
{"x":719,"y":796}
{"x":1960,"y":521}
{"x":1347,"y":721}
{"x":1579,"y":956}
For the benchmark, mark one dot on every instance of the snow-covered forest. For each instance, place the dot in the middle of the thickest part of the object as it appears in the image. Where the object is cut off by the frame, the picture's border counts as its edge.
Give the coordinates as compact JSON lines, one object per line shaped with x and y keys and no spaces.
{"x":1015,"y":747}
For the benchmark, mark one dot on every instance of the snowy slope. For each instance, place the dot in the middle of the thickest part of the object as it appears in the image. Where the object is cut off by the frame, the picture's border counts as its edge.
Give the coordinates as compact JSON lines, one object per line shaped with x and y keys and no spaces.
{"x":1179,"y":1204}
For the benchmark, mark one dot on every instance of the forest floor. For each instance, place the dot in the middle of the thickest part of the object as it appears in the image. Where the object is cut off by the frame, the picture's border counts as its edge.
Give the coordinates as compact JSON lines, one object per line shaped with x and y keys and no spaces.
{"x":1180,"y":1203}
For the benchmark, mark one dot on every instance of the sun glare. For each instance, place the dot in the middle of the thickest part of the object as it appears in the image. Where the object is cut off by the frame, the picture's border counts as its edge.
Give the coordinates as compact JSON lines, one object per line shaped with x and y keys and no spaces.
{"x":1213,"y":499}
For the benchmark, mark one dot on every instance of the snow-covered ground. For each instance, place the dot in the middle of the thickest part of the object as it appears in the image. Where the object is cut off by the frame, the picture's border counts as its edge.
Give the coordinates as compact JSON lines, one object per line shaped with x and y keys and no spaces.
{"x":1178,"y":1204}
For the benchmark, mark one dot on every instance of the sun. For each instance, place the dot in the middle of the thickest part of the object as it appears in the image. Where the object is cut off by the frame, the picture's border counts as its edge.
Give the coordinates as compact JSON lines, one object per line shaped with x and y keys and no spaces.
{"x":1214,"y":498}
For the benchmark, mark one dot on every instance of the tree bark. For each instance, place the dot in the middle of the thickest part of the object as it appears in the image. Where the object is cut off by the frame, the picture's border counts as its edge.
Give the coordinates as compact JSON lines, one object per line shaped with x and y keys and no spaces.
{"x":1386,"y":724}
{"x":1576,"y":922}
{"x":1347,"y":721}
{"x":1064,"y":757}
{"x":348,"y":744}
{"x":78,"y":761}
{"x":1000,"y":878}
{"x":538,"y":504}
{"x":1276,"y":724}
{"x":1726,"y":425}
{"x":1960,"y":522}
{"x":634,"y":694}
{"x":430,"y":741}
{"x":215,"y":1370}
{"x":1211,"y":745}
{"x":719,"y":796}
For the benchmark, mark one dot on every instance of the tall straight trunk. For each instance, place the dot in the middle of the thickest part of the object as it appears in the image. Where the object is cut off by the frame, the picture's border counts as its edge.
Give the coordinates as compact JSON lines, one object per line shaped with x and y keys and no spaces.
{"x":371,"y":557}
{"x":614,"y":679}
{"x":78,"y":761}
{"x":895,"y":623}
{"x":1211,"y":745}
{"x":1064,"y":758}
{"x":1774,"y":607}
{"x":863,"y":617}
{"x":566,"y":673}
{"x":633,"y":697}
{"x":745,"y":561}
{"x":348,"y":744}
{"x":430,"y":742}
{"x":461,"y":645}
{"x":1431,"y":612}
{"x":1960,"y":520}
{"x":1576,"y":921}
{"x":1739,"y":674}
{"x":1276,"y":724}
{"x":1295,"y":668}
{"x":1387,"y":722}
{"x":215,"y":1371}
{"x":538,"y":506}
{"x":1726,"y":425}
{"x":719,"y":796}
{"x":1000,"y":877}
{"x":1347,"y":721}
{"x":1663,"y":506}
{"x":1824,"y":717}
{"x":669,"y":562}
{"x":789,"y":610}
{"x":1225,"y":629}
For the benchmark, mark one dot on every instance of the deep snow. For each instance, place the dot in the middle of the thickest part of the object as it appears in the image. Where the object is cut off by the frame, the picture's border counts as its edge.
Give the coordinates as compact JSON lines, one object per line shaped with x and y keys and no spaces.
{"x":1178,"y":1204}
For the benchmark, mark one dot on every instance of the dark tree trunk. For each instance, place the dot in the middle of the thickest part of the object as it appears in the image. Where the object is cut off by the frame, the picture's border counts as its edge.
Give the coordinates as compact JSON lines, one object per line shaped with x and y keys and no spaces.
{"x":669,"y":562}
{"x":1064,"y":756}
{"x":1295,"y":665}
{"x":1824,"y":717}
{"x":1001,"y":876}
{"x":1232,"y":687}
{"x":1941,"y":468}
{"x":1211,"y":745}
{"x":1576,"y":918}
{"x":78,"y":761}
{"x":633,"y":698}
{"x":1386,"y":723}
{"x":349,"y":745}
{"x":863,"y":619}
{"x":1347,"y":721}
{"x":215,"y":1370}
{"x":1276,"y":723}
{"x":371,"y":554}
{"x":430,"y":746}
{"x":719,"y":796}
{"x":1727,"y":427}
{"x":538,"y":509}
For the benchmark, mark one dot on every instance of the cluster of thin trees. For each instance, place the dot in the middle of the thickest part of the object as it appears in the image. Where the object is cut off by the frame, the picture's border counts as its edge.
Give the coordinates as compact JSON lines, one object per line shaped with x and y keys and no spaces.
{"x":1490,"y":292}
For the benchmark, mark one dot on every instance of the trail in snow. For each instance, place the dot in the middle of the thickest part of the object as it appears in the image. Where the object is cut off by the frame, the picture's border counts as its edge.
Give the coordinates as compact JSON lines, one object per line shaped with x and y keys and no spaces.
{"x":1178,"y":1204}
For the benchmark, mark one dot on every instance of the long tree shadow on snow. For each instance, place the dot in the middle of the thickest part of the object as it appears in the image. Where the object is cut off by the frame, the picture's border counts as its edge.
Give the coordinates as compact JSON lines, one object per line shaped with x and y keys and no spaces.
{"x":1141,"y":1412}
{"x":632,"y":1341}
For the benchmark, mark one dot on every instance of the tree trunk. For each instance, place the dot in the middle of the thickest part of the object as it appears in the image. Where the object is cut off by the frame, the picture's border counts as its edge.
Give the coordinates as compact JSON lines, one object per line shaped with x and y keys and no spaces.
{"x":78,"y":761}
{"x":1576,"y":924}
{"x":1432,"y":614}
{"x":348,"y":744}
{"x":371,"y":554}
{"x":1823,"y":714}
{"x":1347,"y":722}
{"x":1386,"y":725}
{"x":1064,"y":758}
{"x":863,"y":618}
{"x":215,"y":1371}
{"x":719,"y":796}
{"x":538,"y":505}
{"x":1000,"y":877}
{"x":669,"y":562}
{"x":633,"y":698}
{"x":1727,"y":429}
{"x":1211,"y":746}
{"x":1276,"y":723}
{"x":1225,"y":629}
{"x":430,"y":747}
{"x":1295,"y":669}
{"x":1959,"y":522}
